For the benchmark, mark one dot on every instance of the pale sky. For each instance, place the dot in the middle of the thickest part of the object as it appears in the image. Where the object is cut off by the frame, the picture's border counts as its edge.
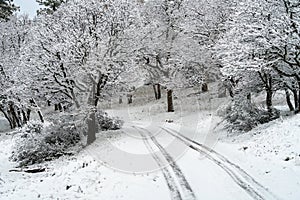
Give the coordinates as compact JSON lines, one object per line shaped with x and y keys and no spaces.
{"x":27,"y":6}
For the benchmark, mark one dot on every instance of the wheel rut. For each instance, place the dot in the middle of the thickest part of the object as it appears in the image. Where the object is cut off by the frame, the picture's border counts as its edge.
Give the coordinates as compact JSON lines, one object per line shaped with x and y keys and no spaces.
{"x":176,"y":181}
{"x":238,"y":175}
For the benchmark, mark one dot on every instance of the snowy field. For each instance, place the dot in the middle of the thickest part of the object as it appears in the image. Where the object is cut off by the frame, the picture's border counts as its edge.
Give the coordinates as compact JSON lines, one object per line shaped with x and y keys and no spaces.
{"x":184,"y":158}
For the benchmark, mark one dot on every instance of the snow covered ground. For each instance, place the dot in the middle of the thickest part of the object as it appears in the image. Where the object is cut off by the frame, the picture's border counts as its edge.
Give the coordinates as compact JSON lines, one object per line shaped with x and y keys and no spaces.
{"x":154,"y":159}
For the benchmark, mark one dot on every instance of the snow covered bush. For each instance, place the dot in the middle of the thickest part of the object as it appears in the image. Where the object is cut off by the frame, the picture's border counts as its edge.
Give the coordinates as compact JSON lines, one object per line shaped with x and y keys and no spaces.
{"x":244,"y":116}
{"x":37,"y":142}
{"x":108,"y":123}
{"x":33,"y":127}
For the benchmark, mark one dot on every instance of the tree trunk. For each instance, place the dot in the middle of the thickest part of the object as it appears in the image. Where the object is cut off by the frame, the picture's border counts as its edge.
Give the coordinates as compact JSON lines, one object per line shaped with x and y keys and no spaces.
{"x":204,"y":87}
{"x":158,"y":91}
{"x":28,"y":114}
{"x":91,"y":122}
{"x":92,"y":128}
{"x":56,"y":107}
{"x":12,"y":119}
{"x":41,"y":116}
{"x":269,"y":88}
{"x":25,"y":117}
{"x":298,"y":110}
{"x":14,"y":115}
{"x":129,"y":98}
{"x":155,"y":92}
{"x":60,"y":107}
{"x":170,"y":100}
{"x":120,"y":100}
{"x":296,"y":102}
{"x":33,"y":103}
{"x":249,"y":97}
{"x":100,"y":85}
{"x":269,"y":100}
{"x":288,"y":100}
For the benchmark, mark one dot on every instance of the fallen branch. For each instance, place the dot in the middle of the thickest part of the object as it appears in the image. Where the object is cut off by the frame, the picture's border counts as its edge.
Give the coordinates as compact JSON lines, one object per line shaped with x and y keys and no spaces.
{"x":36,"y":170}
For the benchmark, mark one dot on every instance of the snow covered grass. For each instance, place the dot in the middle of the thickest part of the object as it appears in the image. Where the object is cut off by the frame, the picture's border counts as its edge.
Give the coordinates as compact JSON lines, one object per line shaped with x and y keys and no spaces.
{"x":76,"y":177}
{"x":270,"y":152}
{"x":278,"y":139}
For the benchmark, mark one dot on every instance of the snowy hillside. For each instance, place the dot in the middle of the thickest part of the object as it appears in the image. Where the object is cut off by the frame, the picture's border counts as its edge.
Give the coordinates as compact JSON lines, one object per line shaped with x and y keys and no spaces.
{"x":256,"y":165}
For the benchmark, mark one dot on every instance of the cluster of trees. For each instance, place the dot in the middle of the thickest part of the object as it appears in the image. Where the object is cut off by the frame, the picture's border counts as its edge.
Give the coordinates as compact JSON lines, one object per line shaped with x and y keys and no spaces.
{"x":74,"y":53}
{"x":260,"y":51}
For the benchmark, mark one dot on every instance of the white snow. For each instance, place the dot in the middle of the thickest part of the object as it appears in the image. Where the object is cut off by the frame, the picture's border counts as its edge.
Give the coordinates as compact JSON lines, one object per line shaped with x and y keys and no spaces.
{"x":98,"y":173}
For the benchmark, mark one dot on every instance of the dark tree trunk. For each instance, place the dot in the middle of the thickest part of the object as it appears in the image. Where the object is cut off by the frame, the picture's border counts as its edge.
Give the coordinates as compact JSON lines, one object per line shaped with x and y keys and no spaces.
{"x":100,"y":85}
{"x":231,"y":93}
{"x":25,"y":117}
{"x":41,"y":116}
{"x":129,"y":98}
{"x":120,"y":100}
{"x":249,"y":97}
{"x":269,"y":87}
{"x":296,"y":102}
{"x":155,"y":92}
{"x":204,"y":87}
{"x":170,"y":100}
{"x":28,"y":114}
{"x":12,"y":119}
{"x":269,"y":100}
{"x":60,"y":108}
{"x":92,"y":128}
{"x":91,"y":122}
{"x":56,"y":107}
{"x":158,"y":91}
{"x":15,"y":116}
{"x":288,"y":100}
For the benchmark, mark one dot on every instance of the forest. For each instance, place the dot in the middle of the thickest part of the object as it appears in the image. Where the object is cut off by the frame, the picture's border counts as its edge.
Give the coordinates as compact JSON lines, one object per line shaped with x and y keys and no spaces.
{"x":59,"y":68}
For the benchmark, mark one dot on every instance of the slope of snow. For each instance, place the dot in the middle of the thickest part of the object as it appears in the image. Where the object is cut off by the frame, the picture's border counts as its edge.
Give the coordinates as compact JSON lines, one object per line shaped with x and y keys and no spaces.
{"x":271,"y":152}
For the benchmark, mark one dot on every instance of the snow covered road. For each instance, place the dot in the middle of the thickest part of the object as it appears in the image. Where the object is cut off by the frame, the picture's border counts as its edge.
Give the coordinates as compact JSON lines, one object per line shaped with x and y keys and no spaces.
{"x":238,"y":175}
{"x":142,"y":161}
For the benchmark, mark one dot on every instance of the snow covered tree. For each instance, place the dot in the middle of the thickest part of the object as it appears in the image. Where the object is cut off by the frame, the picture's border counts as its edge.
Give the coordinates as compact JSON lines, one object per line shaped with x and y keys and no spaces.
{"x":263,"y":40}
{"x":16,"y":101}
{"x":176,"y":39}
{"x":158,"y":42}
{"x":49,"y":6}
{"x":203,"y":25}
{"x":80,"y":50}
{"x":7,"y":8}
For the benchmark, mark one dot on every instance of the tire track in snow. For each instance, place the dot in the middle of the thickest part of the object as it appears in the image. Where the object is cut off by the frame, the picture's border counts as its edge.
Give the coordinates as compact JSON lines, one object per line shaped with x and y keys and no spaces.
{"x":239,"y":176}
{"x":187,"y":192}
{"x":174,"y":191}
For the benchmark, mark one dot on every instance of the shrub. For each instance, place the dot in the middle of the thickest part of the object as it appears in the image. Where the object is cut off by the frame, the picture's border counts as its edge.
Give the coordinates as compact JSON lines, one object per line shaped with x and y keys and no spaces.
{"x":108,"y":123}
{"x":244,"y":117}
{"x":37,"y":142}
